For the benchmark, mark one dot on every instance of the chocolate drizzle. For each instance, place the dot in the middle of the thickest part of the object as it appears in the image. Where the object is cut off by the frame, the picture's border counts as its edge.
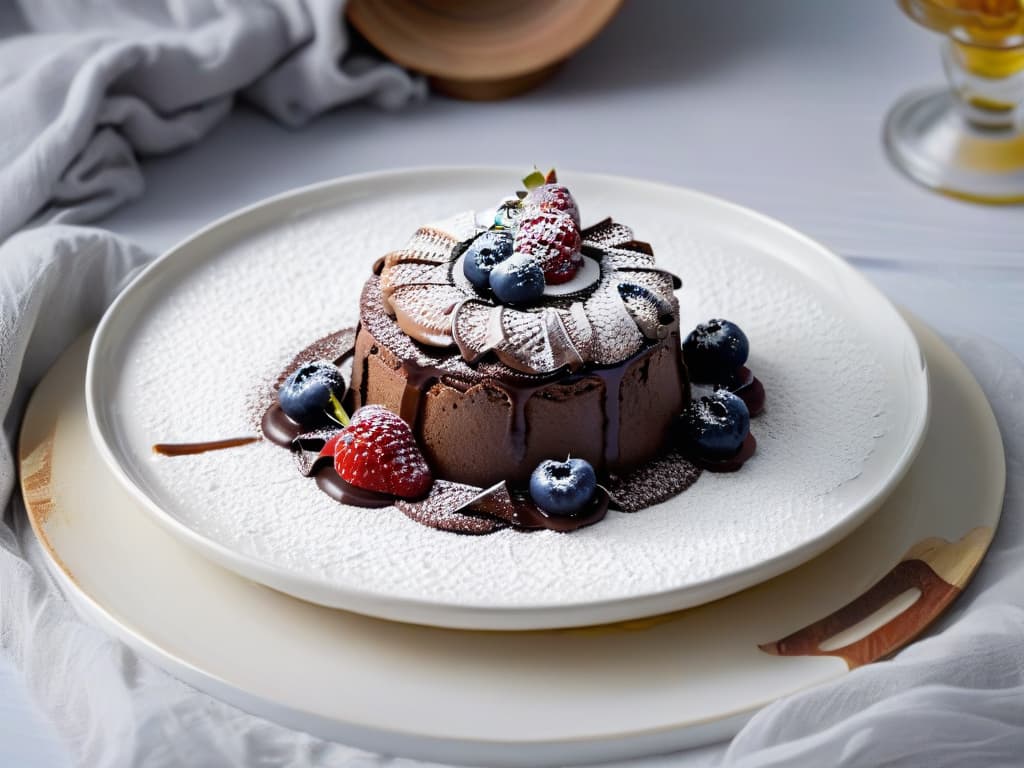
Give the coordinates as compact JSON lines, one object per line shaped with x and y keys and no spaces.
{"x":418,"y":381}
{"x":612,"y":380}
{"x":518,"y":397}
{"x":190,"y":449}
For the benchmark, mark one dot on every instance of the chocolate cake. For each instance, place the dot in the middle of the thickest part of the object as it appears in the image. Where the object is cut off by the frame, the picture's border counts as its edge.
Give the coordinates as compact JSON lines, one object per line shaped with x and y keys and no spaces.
{"x":593,"y":370}
{"x":512,"y":370}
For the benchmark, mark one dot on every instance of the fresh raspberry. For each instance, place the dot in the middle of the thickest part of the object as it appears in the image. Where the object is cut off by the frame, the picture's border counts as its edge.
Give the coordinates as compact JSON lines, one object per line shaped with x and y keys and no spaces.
{"x":377,"y":452}
{"x":551,"y":197}
{"x":553,"y":240}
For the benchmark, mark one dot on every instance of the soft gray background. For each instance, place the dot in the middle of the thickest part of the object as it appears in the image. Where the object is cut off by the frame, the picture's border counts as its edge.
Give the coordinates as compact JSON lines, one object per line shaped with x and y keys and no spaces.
{"x":776,"y":105}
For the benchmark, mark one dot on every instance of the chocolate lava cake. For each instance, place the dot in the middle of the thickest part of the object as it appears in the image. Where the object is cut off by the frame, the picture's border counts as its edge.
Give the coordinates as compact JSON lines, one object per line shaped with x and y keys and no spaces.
{"x":513,"y":370}
{"x":592,"y":369}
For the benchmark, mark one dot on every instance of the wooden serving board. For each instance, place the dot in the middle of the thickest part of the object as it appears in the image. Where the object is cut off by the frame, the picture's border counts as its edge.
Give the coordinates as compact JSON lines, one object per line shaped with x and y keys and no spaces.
{"x":524,"y":698}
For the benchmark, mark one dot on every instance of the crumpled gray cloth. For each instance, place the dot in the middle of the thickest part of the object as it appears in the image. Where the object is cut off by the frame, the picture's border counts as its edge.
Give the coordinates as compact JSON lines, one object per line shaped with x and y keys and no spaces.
{"x":97,"y":84}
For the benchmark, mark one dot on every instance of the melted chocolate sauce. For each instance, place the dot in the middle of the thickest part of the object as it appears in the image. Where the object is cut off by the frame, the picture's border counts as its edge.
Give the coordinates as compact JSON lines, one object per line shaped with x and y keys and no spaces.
{"x":518,"y":398}
{"x":278,"y":428}
{"x":745,"y":385}
{"x":750,"y":390}
{"x":330,"y":482}
{"x":418,"y":381}
{"x":731,"y":464}
{"x":612,"y":378}
{"x":420,"y":378}
{"x":190,"y":449}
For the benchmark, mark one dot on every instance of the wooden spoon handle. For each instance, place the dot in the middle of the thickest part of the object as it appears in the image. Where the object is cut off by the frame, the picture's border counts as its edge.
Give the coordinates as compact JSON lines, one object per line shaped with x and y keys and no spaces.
{"x":936,"y":568}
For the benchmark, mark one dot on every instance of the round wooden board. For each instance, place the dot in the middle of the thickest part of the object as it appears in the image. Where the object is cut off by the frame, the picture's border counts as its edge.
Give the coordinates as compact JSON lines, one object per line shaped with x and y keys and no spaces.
{"x":527,"y":698}
{"x":481,"y":49}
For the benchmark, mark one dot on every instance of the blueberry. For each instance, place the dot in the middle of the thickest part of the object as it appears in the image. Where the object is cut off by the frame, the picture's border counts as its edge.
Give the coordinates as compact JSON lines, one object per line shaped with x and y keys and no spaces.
{"x":715,"y":426}
{"x":563,"y":487}
{"x":714,"y":350}
{"x":488,"y":250}
{"x":306,"y":395}
{"x":518,"y":280}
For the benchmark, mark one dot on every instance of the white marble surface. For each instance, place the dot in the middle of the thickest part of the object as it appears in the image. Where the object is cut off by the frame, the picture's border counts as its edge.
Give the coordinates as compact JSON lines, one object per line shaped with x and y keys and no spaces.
{"x":777,"y":106}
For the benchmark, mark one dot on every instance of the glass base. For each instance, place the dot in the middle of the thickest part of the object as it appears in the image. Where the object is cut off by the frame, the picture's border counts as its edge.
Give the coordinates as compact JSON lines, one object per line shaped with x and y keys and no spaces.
{"x":928,"y":138}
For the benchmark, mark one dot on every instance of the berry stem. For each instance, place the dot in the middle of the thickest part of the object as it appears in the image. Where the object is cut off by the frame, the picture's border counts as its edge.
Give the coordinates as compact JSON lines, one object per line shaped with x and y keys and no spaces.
{"x":339,"y":414}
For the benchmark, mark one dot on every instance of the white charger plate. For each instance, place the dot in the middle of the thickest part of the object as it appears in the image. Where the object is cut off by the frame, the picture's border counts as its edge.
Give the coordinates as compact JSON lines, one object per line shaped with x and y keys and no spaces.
{"x":184,"y":349}
{"x":522,"y":698}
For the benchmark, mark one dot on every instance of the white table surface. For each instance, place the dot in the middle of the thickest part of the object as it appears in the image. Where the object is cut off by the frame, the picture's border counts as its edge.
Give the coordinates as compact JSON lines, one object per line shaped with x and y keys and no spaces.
{"x":775,"y":105}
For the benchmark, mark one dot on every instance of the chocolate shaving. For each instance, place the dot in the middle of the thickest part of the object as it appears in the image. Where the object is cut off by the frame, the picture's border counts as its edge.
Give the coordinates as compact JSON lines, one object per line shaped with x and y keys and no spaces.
{"x":652,"y":314}
{"x":637,"y":245}
{"x":441,"y":510}
{"x":519,"y":511}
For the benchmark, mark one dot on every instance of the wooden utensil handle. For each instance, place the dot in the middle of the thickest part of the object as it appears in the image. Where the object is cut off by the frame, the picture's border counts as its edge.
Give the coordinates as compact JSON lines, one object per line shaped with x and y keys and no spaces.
{"x":920,"y":569}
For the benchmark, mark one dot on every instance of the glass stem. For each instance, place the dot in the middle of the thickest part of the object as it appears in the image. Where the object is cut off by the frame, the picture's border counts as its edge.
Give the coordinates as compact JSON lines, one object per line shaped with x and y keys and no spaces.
{"x":989,"y":84}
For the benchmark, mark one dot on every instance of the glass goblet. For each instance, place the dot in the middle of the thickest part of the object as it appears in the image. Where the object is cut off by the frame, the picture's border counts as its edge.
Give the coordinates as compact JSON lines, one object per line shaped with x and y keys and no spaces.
{"x":967,"y":139}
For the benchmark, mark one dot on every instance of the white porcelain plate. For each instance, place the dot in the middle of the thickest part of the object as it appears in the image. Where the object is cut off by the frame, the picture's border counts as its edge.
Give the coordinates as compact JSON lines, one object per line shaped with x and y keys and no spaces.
{"x":184,"y":352}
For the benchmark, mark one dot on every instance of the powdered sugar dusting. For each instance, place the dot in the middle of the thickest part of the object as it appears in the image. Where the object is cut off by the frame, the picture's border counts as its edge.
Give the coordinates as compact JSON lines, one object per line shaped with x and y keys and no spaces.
{"x":626,"y":299}
{"x":206,"y":342}
{"x":654,"y":482}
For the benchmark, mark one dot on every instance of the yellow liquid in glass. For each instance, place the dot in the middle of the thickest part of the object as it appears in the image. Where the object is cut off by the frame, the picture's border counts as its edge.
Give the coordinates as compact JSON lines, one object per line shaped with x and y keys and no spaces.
{"x":988,"y":34}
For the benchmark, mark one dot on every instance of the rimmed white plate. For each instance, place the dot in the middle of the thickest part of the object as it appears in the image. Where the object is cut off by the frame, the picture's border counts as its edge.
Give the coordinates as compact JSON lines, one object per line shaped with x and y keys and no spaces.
{"x":187,"y":346}
{"x":523,"y":699}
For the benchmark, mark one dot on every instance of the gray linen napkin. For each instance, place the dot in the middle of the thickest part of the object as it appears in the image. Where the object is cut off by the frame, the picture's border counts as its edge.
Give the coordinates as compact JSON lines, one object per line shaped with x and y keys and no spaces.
{"x":98,"y":83}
